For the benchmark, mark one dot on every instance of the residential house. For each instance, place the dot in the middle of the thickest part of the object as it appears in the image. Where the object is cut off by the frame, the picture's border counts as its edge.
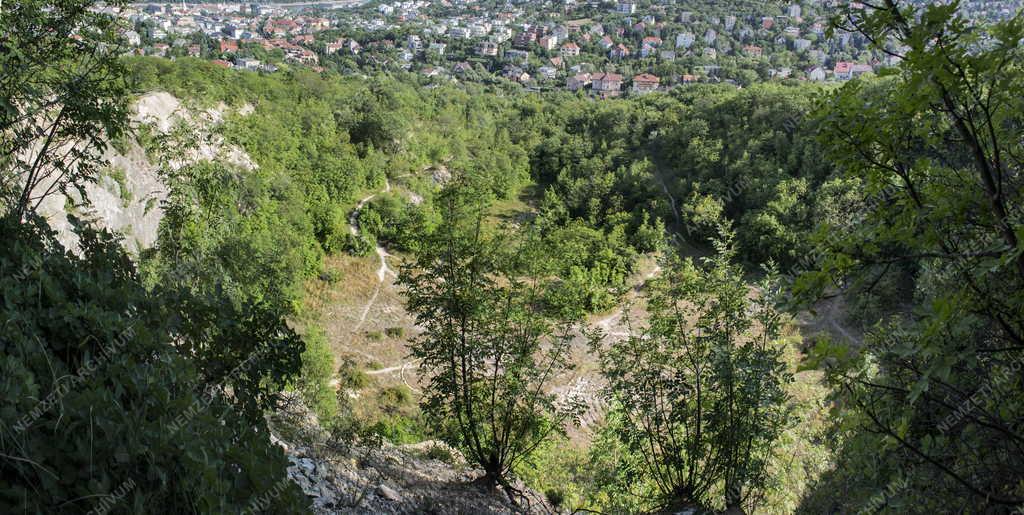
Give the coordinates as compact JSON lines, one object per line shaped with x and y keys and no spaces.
{"x":685,"y":40}
{"x":801,"y":44}
{"x":645,"y":83}
{"x":816,"y":74}
{"x":515,"y":73}
{"x":437,"y":48}
{"x":860,"y":69}
{"x":570,"y":49}
{"x":606,"y":43}
{"x":710,"y":36}
{"x":334,"y":47}
{"x":548,"y":72}
{"x":620,"y":51}
{"x":548,"y":42}
{"x":517,"y":56}
{"x":247,"y":63}
{"x":317,"y":24}
{"x":479,"y":30}
{"x":577,"y":82}
{"x":228,"y":46}
{"x":487,"y":49}
{"x":501,"y":34}
{"x":523,"y":39}
{"x":625,"y":8}
{"x":606,"y":85}
{"x":752,"y":51}
{"x":560,"y":32}
{"x":653,"y":41}
{"x":843,"y":70}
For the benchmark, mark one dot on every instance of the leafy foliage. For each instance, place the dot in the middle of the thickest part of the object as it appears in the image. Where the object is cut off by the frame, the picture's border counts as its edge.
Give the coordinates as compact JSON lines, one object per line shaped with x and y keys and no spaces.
{"x":96,"y":396}
{"x":701,"y":391}
{"x":489,"y":349}
{"x":61,"y":93}
{"x":934,"y":399}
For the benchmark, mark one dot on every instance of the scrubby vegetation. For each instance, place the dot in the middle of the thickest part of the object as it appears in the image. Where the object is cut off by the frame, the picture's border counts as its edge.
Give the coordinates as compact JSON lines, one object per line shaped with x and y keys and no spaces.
{"x":517,"y":216}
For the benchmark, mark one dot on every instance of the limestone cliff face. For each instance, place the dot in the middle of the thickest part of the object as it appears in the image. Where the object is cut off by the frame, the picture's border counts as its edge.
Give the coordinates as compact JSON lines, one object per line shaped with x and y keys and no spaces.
{"x":127,"y":197}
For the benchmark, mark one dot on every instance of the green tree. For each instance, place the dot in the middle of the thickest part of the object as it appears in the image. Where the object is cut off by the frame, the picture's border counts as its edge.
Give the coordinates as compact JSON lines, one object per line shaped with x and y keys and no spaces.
{"x":489,"y":349}
{"x":97,"y":403}
{"x":701,"y":392}
{"x":935,"y":396}
{"x":62,"y":95}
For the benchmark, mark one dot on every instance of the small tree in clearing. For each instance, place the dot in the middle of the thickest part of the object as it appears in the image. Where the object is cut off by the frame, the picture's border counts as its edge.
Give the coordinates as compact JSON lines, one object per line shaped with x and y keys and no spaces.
{"x":700,"y":391}
{"x":490,"y":348}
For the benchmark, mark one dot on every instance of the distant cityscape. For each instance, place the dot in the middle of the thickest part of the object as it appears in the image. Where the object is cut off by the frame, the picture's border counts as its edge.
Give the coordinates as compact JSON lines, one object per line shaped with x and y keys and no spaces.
{"x":603,"y":49}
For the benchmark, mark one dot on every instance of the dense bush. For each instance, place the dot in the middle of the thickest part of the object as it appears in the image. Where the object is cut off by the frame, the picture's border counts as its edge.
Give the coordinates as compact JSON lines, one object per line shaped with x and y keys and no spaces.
{"x":97,"y":403}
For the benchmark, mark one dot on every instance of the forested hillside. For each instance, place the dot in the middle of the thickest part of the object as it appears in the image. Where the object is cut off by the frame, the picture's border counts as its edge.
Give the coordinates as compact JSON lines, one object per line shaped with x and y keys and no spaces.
{"x":779,"y":298}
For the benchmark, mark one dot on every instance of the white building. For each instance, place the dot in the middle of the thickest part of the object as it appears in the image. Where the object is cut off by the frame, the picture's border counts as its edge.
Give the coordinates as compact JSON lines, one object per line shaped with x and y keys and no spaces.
{"x":685,"y":40}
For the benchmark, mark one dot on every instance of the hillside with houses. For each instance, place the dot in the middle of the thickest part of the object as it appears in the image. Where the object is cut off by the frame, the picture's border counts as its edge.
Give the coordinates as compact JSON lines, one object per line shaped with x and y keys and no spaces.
{"x":538,"y":45}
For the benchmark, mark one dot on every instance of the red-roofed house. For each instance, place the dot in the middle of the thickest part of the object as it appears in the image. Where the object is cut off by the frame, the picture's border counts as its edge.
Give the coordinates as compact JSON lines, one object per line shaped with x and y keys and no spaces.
{"x":651,"y":41}
{"x":335,"y":47}
{"x":577,"y":82}
{"x":619,"y":52}
{"x":843,"y":70}
{"x":752,"y":50}
{"x":570,"y":49}
{"x":228,"y":46}
{"x":645,"y":83}
{"x":606,"y":85}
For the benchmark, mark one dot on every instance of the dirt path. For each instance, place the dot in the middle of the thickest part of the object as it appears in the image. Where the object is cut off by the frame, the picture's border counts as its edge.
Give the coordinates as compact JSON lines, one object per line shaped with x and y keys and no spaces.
{"x":608,"y":323}
{"x":382,"y":276}
{"x":384,"y":269}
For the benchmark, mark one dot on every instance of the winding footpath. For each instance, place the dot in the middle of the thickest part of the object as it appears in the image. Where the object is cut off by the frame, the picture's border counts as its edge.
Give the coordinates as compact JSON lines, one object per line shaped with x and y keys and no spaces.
{"x":382,"y":275}
{"x":384,"y":269}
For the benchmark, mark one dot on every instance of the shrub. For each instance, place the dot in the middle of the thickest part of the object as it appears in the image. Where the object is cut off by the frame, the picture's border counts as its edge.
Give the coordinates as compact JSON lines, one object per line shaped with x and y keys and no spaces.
{"x":314,"y":383}
{"x":350,"y":376}
{"x":99,"y":402}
